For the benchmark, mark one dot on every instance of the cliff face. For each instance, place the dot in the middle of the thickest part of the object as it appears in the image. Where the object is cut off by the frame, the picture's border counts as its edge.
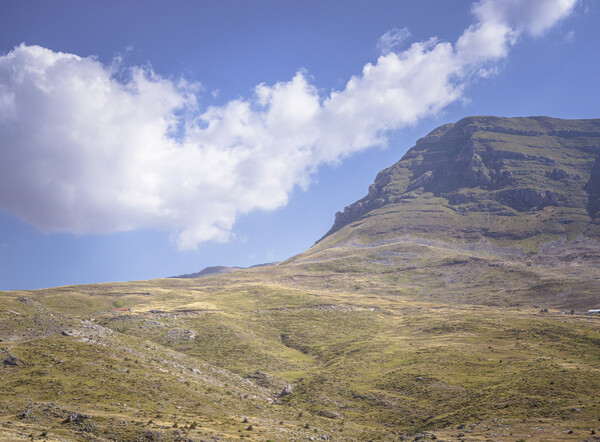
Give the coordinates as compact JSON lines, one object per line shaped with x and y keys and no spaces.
{"x":502,"y":178}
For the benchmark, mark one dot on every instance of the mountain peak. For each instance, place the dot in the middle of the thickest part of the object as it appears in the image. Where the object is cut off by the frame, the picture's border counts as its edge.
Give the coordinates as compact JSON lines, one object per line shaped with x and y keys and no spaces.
{"x":506,"y":179}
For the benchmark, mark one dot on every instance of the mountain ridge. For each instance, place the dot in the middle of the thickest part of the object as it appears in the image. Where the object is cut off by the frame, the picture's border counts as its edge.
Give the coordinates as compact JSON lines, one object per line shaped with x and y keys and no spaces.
{"x":216,"y":270}
{"x":485,"y":170}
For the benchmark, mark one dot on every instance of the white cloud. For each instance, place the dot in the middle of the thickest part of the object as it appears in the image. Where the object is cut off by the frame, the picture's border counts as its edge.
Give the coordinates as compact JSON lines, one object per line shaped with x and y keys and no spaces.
{"x":532,"y":16}
{"x":95,"y":148}
{"x":392,"y":40}
{"x":501,"y":22}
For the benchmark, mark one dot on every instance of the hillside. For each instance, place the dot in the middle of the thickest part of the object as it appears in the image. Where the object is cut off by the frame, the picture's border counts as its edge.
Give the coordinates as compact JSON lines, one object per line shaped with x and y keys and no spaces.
{"x":515,"y":181}
{"x":449,"y":304}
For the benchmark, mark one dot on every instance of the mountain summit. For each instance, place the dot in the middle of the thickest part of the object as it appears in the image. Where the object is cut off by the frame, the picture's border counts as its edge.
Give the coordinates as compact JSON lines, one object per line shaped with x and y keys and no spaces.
{"x":515,"y":181}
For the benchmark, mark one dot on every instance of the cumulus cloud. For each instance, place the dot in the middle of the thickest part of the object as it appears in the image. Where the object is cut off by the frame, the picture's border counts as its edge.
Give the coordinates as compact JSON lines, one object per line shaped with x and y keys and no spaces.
{"x":532,"y":16}
{"x":501,"y":23}
{"x":91,"y":148}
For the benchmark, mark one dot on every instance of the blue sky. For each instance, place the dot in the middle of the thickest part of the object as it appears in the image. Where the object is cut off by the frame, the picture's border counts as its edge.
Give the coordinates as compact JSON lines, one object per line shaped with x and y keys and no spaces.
{"x":148,"y":139}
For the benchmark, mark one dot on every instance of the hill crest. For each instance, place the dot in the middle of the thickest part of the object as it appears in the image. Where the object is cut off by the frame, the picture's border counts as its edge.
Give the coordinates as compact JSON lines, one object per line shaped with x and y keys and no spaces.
{"x":506,"y":179}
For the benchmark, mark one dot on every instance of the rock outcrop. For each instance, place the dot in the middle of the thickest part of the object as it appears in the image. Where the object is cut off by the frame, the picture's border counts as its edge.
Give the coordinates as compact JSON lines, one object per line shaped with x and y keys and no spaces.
{"x":489,"y":177}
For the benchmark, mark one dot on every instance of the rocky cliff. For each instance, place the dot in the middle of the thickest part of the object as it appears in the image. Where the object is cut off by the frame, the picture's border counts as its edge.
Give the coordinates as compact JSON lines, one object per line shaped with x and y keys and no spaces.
{"x":509,"y":179}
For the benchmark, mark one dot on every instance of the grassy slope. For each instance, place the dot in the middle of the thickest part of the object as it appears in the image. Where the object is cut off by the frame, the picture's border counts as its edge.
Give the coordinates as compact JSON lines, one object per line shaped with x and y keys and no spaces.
{"x":377,"y":341}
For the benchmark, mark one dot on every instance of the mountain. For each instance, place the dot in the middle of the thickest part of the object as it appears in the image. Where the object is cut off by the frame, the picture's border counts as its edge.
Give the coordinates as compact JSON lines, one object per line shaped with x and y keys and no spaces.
{"x":513,"y":181}
{"x":215,"y":270}
{"x":450,"y":303}
{"x":212,"y":270}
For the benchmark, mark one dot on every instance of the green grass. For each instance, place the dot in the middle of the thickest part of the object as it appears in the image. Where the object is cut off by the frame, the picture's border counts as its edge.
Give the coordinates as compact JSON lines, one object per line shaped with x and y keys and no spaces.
{"x":387,"y":339}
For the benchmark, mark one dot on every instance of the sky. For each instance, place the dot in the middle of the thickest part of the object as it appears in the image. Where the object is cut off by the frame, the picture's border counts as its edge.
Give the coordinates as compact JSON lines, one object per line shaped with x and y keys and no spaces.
{"x":146,"y":139}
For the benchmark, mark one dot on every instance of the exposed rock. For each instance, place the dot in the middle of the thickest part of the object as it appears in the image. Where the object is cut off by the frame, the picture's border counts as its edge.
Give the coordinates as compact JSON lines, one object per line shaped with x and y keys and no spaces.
{"x":10,"y":360}
{"x":180,"y":334}
{"x":498,"y":167}
{"x":557,"y":174}
{"x":76,"y":418}
{"x":424,"y":179}
{"x":528,"y":198}
{"x":286,"y":391}
{"x":27,"y":415}
{"x":150,"y":435}
{"x":260,"y":378}
{"x":329,"y":414}
{"x":592,"y":188}
{"x":476,"y":171}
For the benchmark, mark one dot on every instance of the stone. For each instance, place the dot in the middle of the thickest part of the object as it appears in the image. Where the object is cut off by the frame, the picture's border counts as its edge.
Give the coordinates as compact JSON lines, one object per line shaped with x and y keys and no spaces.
{"x":286,"y":391}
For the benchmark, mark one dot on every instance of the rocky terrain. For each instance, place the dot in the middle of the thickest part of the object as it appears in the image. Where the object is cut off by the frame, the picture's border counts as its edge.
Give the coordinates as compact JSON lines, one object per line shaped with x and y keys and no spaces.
{"x":448,"y":304}
{"x":507,"y":179}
